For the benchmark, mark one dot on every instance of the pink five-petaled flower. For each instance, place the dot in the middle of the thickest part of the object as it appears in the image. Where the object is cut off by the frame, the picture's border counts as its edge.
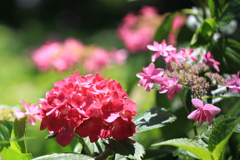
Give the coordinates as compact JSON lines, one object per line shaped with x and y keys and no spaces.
{"x":161,"y":49}
{"x":170,"y":86}
{"x":204,"y":112}
{"x":32,"y":111}
{"x":209,"y":61}
{"x":147,"y":76}
{"x":234,"y":83}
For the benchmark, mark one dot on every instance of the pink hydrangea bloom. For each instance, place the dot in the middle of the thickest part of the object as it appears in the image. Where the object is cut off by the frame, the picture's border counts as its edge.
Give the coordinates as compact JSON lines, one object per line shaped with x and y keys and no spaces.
{"x":204,"y":112}
{"x":32,"y":111}
{"x":234,"y":83}
{"x":162,"y":49}
{"x":149,"y":11}
{"x":170,"y":86}
{"x":57,"y":55}
{"x":149,"y":73}
{"x":209,"y":60}
{"x":178,"y":21}
{"x":136,"y":31}
{"x":88,"y":106}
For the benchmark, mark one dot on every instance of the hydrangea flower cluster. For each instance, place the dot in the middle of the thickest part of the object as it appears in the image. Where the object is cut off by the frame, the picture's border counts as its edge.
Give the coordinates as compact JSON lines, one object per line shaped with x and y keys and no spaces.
{"x":184,"y":69}
{"x":89,"y":106}
{"x":64,"y":56}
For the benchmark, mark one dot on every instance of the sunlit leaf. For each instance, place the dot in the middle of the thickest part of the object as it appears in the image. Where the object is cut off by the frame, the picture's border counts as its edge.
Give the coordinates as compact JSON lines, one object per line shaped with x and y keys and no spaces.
{"x":11,"y":154}
{"x":193,"y":146}
{"x":64,"y":156}
{"x":223,"y":127}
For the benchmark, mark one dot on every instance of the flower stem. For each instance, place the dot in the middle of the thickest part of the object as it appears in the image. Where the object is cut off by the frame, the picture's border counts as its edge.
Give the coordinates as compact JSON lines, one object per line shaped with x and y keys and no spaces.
{"x":184,"y":104}
{"x":99,"y":147}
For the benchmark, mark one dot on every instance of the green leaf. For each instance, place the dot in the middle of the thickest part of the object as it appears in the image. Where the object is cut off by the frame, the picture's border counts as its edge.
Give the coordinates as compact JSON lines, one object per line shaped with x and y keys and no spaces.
{"x":5,"y":134}
{"x":127,"y":148}
{"x":232,"y":12}
{"x":211,"y":7}
{"x":11,"y":154}
{"x":204,"y":33}
{"x":223,"y":127}
{"x":64,"y":156}
{"x":153,"y":118}
{"x":227,"y":52}
{"x":88,"y":147}
{"x":193,"y":146}
{"x":157,"y":153}
{"x":19,"y":131}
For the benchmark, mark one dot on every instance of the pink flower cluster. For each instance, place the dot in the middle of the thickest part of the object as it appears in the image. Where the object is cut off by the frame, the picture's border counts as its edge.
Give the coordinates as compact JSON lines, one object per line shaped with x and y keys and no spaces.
{"x":234,"y":83}
{"x":89,"y":106}
{"x":169,"y":85}
{"x":136,"y":31}
{"x":64,"y":56}
{"x":58,"y":56}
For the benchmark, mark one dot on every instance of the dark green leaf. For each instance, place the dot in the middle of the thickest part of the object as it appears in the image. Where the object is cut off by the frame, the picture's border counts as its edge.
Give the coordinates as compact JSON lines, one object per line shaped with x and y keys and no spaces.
{"x":153,"y":118}
{"x":232,"y":12}
{"x":88,"y":147}
{"x":157,"y":153}
{"x":19,"y":131}
{"x":64,"y":156}
{"x":5,"y":134}
{"x":227,"y":52}
{"x":165,"y":28}
{"x":127,"y":148}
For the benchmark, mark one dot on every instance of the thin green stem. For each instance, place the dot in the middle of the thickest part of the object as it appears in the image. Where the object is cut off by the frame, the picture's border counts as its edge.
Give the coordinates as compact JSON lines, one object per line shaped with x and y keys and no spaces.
{"x":184,"y":104}
{"x":99,"y":147}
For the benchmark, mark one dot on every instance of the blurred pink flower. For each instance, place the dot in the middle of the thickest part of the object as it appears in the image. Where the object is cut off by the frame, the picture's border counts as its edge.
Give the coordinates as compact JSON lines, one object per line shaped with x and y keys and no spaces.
{"x":97,"y":61}
{"x":146,"y":78}
{"x":148,"y":11}
{"x":234,"y":83}
{"x":204,"y":112}
{"x":136,"y":31}
{"x":32,"y":111}
{"x":119,"y":56}
{"x":173,"y":57}
{"x":162,"y":49}
{"x":58,"y":56}
{"x":178,"y":21}
{"x":209,"y":60}
{"x":170,"y":86}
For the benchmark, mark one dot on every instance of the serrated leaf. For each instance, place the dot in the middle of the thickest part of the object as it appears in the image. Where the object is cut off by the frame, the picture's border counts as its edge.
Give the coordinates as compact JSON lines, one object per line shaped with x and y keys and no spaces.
{"x":153,"y":118}
{"x":193,"y":146}
{"x":64,"y":156}
{"x":127,"y":148}
{"x":223,"y":127}
{"x":157,"y":153}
